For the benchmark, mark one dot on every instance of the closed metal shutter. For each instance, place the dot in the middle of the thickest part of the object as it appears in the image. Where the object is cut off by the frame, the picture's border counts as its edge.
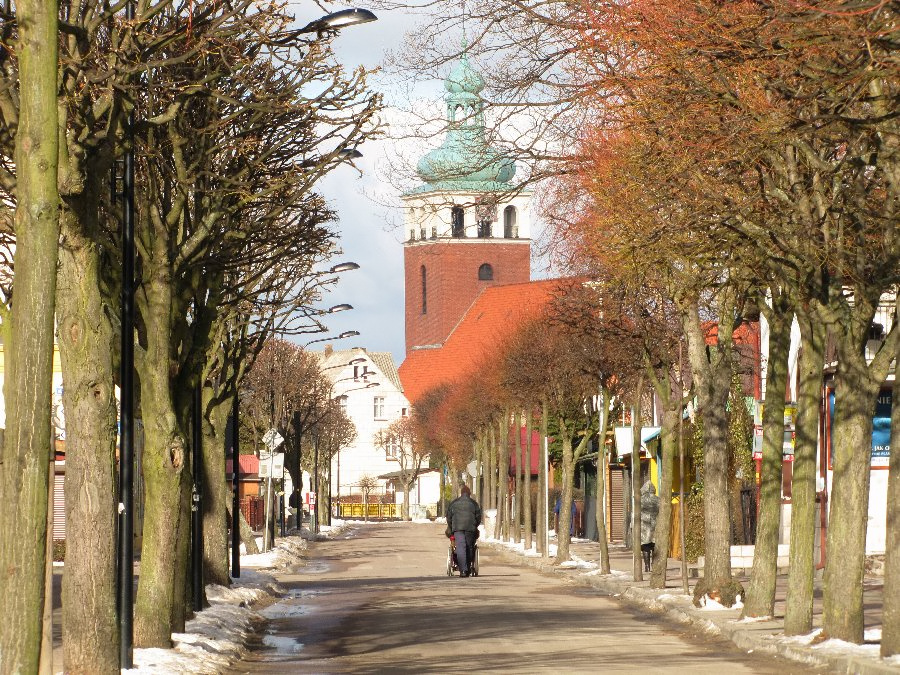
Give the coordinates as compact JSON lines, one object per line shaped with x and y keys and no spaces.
{"x":59,"y":507}
{"x":616,"y":504}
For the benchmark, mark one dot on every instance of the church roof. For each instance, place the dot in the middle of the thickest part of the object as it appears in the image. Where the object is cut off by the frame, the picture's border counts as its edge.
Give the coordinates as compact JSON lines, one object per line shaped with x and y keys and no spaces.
{"x":494,"y":315}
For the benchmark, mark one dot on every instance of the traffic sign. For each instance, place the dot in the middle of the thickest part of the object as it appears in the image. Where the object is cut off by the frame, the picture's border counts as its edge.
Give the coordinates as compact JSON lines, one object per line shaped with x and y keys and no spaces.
{"x":272,"y":439}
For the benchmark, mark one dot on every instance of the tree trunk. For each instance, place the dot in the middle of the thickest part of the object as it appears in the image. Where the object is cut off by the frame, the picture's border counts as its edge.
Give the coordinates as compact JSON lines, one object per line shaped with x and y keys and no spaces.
{"x":86,"y":346}
{"x":760,"y":600}
{"x":527,"y":521}
{"x":503,"y":479}
{"x":216,"y":491}
{"x":564,"y":524}
{"x":669,"y":440}
{"x":711,"y":369}
{"x":406,"y":488}
{"x":636,"y":424}
{"x":798,"y":615}
{"x":491,"y":463}
{"x":25,"y":462}
{"x":600,"y":507}
{"x":890,"y":633}
{"x":160,"y":591}
{"x":542,"y":506}
{"x":842,"y":617}
{"x":520,"y":479}
{"x":246,"y":534}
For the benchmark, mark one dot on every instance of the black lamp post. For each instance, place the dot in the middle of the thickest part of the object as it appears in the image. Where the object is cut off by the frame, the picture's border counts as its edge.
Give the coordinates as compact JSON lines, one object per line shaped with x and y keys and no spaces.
{"x":235,"y":490}
{"x":125,"y":531}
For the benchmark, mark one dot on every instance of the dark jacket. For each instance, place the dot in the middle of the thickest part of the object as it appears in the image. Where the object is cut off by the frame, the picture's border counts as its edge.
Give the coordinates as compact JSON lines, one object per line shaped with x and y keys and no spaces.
{"x":463,"y":515}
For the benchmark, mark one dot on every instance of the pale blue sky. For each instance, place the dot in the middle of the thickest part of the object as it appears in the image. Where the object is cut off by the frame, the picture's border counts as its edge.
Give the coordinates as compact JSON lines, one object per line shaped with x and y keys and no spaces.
{"x":367,"y":228}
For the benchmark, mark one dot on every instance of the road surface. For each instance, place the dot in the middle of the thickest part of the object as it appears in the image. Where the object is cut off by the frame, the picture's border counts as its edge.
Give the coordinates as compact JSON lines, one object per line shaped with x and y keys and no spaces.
{"x":377,"y":599}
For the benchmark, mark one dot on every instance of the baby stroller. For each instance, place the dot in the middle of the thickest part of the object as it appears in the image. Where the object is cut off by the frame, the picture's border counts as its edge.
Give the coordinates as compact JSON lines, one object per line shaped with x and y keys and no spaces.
{"x":453,"y":566}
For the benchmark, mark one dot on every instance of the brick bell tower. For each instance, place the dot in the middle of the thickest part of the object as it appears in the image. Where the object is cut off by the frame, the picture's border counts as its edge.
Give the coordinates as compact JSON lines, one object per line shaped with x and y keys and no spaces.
{"x":466,"y":229}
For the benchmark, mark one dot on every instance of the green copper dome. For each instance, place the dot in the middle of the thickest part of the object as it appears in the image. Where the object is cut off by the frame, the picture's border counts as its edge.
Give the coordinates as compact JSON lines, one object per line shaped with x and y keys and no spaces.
{"x":464,"y":161}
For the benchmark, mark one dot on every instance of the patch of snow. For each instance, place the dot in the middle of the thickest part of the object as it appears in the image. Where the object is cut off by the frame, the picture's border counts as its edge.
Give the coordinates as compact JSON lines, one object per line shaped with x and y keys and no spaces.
{"x":282,"y":645}
{"x":841,"y":648}
{"x":612,"y":573}
{"x":282,"y":610}
{"x":215,"y":637}
{"x":709,"y":605}
{"x":872,"y":635}
{"x":753,"y":619}
{"x":800,"y":639}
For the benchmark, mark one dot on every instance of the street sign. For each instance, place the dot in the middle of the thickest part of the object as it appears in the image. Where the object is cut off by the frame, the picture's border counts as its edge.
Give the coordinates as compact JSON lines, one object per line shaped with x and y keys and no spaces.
{"x":272,"y":439}
{"x":311,"y":497}
{"x":273,"y":461}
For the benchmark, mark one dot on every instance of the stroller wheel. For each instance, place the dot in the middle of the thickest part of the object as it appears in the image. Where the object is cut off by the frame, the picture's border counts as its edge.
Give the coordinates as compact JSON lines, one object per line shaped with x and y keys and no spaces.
{"x":449,"y":564}
{"x":475,"y":564}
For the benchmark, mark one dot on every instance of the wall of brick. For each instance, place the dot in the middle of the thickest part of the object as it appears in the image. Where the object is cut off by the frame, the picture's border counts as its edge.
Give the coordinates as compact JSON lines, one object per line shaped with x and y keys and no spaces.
{"x":452,"y":283}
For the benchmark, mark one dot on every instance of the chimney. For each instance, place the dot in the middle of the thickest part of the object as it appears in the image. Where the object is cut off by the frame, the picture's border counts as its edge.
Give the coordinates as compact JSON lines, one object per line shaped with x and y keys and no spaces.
{"x":328,"y":350}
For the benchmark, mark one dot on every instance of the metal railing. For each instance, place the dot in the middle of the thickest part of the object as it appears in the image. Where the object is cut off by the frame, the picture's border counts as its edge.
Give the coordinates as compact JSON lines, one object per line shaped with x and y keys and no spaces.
{"x":373,"y":511}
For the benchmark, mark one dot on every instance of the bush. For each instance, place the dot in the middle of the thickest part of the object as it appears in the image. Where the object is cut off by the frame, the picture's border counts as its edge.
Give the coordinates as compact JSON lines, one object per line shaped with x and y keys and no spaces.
{"x":694,"y":537}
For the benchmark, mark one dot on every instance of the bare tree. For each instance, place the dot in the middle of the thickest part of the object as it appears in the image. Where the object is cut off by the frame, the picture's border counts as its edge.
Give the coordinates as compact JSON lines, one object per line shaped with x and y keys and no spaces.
{"x":28,"y":325}
{"x":367,"y":484}
{"x":401,"y":442}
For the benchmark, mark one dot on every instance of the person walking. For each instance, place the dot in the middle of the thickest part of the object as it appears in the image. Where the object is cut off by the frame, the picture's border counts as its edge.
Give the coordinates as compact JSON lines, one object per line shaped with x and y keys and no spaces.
{"x":649,"y":512}
{"x":463,"y":519}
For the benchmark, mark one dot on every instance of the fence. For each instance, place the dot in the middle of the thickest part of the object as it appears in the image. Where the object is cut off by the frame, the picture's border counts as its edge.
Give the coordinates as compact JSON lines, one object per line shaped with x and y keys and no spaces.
{"x":371,"y":511}
{"x":254,"y":510}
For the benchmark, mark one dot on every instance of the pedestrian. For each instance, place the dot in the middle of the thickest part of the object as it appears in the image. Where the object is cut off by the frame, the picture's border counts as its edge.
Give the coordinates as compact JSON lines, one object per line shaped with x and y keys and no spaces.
{"x":463,"y":519}
{"x":649,"y":512}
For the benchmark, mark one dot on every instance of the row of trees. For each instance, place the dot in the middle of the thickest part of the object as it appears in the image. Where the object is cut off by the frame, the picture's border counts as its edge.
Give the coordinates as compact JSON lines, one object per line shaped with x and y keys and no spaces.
{"x":235,"y":118}
{"x":722,"y":161}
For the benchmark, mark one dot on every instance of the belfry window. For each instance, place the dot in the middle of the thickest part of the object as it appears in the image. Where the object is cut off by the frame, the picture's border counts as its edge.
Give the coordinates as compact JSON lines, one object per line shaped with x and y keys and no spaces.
{"x":510,"y":230}
{"x":485,"y":273}
{"x":457,"y":222}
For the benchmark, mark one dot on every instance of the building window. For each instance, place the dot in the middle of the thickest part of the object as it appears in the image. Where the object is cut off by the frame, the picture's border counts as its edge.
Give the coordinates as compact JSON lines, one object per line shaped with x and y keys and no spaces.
{"x":424,"y":292}
{"x":379,"y":407}
{"x":457,"y":222}
{"x":510,"y":231}
{"x":485,"y":273}
{"x":392,"y":449}
{"x":484,"y":229}
{"x":403,"y":412}
{"x":342,"y":402}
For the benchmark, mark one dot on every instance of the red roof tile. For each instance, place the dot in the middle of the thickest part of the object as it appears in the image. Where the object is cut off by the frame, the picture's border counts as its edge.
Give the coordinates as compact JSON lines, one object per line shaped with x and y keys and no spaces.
{"x":494,"y":315}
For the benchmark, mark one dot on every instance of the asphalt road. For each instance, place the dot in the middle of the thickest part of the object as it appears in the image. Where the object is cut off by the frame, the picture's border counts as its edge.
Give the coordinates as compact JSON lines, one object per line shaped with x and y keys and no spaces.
{"x":377,"y":599}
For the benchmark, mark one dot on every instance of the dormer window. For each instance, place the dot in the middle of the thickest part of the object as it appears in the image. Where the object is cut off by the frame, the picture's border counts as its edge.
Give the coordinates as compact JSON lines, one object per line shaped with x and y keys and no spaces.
{"x":485,"y":273}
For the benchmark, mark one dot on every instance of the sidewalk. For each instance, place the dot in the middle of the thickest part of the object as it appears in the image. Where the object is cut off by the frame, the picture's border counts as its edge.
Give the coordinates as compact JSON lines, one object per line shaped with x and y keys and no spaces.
{"x":758,"y":635}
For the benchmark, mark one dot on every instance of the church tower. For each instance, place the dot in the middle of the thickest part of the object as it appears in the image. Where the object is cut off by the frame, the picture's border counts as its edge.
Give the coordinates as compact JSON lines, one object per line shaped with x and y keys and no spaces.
{"x":466,"y":228}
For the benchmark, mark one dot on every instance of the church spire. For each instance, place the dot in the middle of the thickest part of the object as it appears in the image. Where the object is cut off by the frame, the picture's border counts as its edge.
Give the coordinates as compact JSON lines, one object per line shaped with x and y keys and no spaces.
{"x":464,"y":160}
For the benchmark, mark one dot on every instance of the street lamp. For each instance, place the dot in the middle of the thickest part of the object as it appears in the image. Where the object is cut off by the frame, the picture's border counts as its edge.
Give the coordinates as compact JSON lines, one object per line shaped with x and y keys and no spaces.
{"x":331,"y":23}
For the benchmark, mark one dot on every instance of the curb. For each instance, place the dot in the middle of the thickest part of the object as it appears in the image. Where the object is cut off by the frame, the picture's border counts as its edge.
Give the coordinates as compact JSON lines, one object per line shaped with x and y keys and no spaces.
{"x":678,"y":608}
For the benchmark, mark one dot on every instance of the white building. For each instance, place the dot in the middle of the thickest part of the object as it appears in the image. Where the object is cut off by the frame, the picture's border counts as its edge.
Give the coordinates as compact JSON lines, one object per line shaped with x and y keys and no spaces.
{"x":367,"y":387}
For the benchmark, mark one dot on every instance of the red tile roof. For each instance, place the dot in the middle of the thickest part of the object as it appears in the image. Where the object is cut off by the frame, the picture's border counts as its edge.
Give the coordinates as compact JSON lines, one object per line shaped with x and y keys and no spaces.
{"x":248,"y":464}
{"x":494,"y":315}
